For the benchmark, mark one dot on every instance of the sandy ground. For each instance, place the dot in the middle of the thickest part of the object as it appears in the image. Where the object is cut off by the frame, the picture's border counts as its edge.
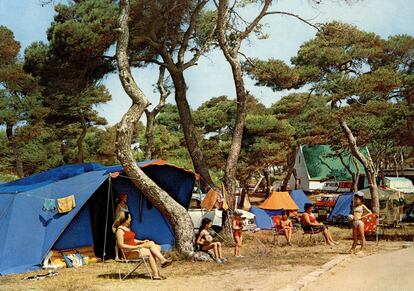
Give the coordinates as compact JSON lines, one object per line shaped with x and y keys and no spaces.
{"x":242,"y":279}
{"x":385,"y":271}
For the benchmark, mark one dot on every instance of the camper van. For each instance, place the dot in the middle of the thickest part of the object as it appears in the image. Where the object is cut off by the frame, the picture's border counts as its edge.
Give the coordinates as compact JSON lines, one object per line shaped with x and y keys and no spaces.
{"x":197,"y":214}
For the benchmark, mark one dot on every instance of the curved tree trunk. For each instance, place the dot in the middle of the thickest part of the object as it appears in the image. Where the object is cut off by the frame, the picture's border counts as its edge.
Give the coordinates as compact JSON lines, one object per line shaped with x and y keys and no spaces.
{"x":17,"y":158}
{"x":79,"y":142}
{"x":189,"y":130}
{"x":233,"y":157}
{"x":174,"y":212}
{"x":365,"y":161}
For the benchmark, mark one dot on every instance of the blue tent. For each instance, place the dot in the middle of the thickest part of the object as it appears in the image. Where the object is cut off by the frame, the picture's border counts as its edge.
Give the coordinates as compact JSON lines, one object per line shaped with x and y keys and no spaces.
{"x":300,"y":199}
{"x":28,"y":233}
{"x":342,"y":208}
{"x":262,"y":219}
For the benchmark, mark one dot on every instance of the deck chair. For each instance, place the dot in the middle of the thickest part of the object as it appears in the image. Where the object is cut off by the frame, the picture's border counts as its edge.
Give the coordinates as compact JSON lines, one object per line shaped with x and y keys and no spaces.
{"x":309,"y":232}
{"x":277,"y":229}
{"x":142,"y":260}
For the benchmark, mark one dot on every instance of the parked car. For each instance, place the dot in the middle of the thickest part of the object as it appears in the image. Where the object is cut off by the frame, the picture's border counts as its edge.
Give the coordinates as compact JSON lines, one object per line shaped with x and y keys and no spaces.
{"x":197,"y":214}
{"x":325,"y":202}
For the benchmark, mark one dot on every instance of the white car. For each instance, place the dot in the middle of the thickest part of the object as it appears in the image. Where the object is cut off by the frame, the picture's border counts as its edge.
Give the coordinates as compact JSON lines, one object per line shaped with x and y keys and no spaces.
{"x":197,"y":214}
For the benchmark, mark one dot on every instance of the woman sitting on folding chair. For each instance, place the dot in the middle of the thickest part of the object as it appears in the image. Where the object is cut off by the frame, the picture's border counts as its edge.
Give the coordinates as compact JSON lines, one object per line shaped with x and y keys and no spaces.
{"x":311,"y":225}
{"x":134,"y":248}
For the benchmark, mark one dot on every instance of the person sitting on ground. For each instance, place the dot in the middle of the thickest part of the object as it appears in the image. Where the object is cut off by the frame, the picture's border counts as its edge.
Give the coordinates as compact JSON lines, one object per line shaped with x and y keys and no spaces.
{"x":310,"y":224}
{"x":205,"y":240}
{"x":238,"y":223}
{"x":120,"y":210}
{"x":357,"y":224}
{"x":287,"y":226}
{"x":126,"y":240}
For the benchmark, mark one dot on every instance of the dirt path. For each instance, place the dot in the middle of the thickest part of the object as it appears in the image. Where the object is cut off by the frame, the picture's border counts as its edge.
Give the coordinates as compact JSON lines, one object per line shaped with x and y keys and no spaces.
{"x":242,"y":279}
{"x":386,"y":271}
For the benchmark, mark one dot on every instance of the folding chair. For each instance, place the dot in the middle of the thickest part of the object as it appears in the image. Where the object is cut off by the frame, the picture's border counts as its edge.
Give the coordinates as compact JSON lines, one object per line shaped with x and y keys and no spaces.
{"x":309,"y":232}
{"x":142,"y":260}
{"x":370,"y":224}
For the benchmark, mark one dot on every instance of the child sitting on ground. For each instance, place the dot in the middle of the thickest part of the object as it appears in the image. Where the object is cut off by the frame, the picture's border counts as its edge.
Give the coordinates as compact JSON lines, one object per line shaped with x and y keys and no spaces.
{"x":205,"y":241}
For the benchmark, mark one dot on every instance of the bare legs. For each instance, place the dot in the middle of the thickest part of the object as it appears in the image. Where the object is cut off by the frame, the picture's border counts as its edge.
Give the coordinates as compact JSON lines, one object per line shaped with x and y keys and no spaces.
{"x":328,"y":237}
{"x":216,"y":246}
{"x":146,"y":253}
{"x":155,"y":251}
{"x":358,"y":232}
{"x":288,"y":234}
{"x":237,"y":248}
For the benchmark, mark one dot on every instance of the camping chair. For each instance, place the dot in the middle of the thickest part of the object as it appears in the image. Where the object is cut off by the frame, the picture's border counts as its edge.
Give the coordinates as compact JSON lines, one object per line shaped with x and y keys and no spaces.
{"x":370,"y":224}
{"x":309,"y":232}
{"x":277,"y":229}
{"x":143,"y":260}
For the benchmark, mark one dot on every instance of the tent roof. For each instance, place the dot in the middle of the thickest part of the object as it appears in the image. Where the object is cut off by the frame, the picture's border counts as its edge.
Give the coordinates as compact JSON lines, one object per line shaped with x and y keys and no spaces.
{"x":279,"y":200}
{"x":401,"y":184}
{"x":322,"y":163}
{"x":300,"y":199}
{"x":68,"y":171}
{"x":383,"y":193}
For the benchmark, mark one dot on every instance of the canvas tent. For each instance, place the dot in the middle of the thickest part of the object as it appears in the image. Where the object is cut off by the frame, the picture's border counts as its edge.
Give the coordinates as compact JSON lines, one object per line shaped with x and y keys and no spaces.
{"x":27,"y":235}
{"x":262,"y":219}
{"x":342,"y":209}
{"x":300,"y":199}
{"x":276,"y":202}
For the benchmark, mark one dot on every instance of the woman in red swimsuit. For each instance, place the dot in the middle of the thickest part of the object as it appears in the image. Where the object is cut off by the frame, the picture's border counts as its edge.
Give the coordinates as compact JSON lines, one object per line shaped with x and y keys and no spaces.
{"x":135,"y":248}
{"x":309,"y":223}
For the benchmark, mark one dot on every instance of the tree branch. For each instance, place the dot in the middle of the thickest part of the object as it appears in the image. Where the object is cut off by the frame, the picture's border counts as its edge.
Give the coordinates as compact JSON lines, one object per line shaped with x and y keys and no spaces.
{"x":295,"y":16}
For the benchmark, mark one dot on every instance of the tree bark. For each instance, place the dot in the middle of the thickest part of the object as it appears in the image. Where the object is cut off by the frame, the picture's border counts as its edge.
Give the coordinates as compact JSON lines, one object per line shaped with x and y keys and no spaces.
{"x":17,"y":157}
{"x":291,"y":166}
{"x":357,"y":173}
{"x":151,"y":115}
{"x":173,"y":211}
{"x":149,"y":134}
{"x":79,"y":142}
{"x":266,"y":174}
{"x":365,"y":161}
{"x":189,"y":130}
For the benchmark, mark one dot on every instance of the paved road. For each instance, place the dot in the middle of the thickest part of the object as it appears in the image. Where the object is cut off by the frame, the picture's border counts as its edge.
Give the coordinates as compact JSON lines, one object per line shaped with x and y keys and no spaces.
{"x":389,"y":271}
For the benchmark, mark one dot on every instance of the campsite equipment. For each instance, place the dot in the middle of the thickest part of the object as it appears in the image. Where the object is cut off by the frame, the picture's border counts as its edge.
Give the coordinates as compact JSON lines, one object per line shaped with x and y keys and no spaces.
{"x":262,"y":219}
{"x":278,"y":201}
{"x":400,"y":184}
{"x":300,"y":199}
{"x":342,"y":209}
{"x":27,"y":237}
{"x":391,"y":205}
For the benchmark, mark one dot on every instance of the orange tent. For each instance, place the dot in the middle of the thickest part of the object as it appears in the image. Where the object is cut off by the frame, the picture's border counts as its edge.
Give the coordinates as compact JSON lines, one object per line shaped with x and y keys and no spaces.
{"x":279,"y":200}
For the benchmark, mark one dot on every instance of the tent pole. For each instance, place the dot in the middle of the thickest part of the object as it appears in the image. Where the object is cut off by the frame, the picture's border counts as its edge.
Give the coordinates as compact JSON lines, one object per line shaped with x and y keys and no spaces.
{"x":106,"y":219}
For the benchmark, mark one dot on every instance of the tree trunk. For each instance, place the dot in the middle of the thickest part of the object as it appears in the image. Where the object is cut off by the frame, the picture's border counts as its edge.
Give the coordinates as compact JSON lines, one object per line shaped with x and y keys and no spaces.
{"x":233,"y":157}
{"x":365,"y":161}
{"x":79,"y":142}
{"x":189,"y":130}
{"x":266,"y":174}
{"x":149,"y":134}
{"x":17,"y":158}
{"x":355,"y":182}
{"x":291,"y":159}
{"x":173,"y":211}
